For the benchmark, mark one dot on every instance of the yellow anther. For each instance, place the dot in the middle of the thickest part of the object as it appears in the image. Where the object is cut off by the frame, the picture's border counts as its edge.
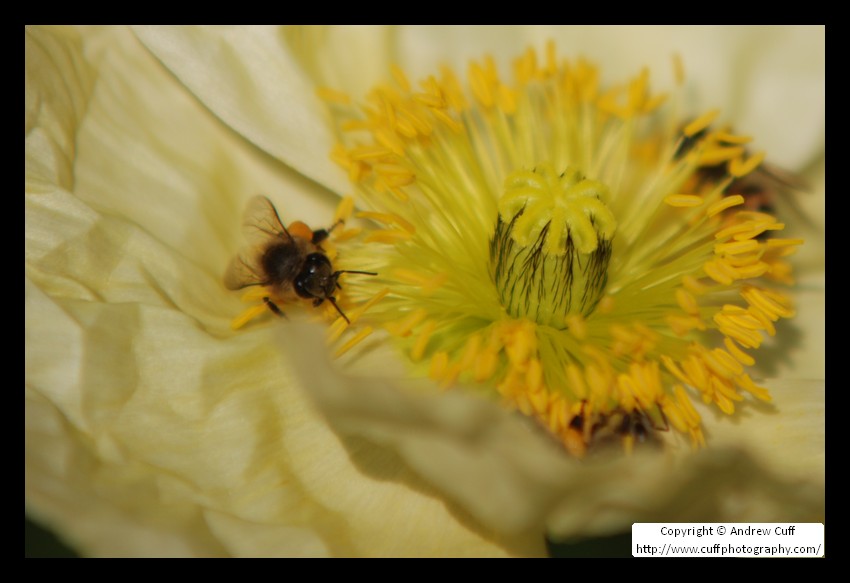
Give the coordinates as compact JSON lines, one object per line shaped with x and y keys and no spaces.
{"x":746,"y":259}
{"x":404,"y":326}
{"x":693,"y":285}
{"x":745,"y":382}
{"x":687,"y":302}
{"x":354,"y":341}
{"x":247,"y":316}
{"x":717,"y":154}
{"x":679,"y":75}
{"x":577,"y":326}
{"x":394,"y":174}
{"x":400,"y":77}
{"x":683,"y":200}
{"x":480,"y":87}
{"x":336,"y":329}
{"x":736,"y":247}
{"x":388,"y":219}
{"x":422,"y":339}
{"x":752,"y":271}
{"x":344,"y":209}
{"x":485,"y":365}
{"x":449,"y":121}
{"x":606,"y":305}
{"x":716,"y":270}
{"x":739,"y":354}
{"x":368,"y":152}
{"x":333,"y":96}
{"x":738,"y":167}
{"x":728,"y":138}
{"x":575,"y":380}
{"x":439,"y":365}
{"x":534,"y":375}
{"x":470,"y":351}
{"x":725,"y":203}
{"x":770,"y":303}
{"x":389,"y":140}
{"x":430,"y":100}
{"x":700,"y":123}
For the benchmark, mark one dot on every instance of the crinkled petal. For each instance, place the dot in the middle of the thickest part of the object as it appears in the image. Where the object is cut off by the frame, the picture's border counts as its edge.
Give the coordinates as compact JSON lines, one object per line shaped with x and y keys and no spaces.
{"x":152,"y":429}
{"x":245,"y":76}
{"x":757,"y":74}
{"x":513,"y":478}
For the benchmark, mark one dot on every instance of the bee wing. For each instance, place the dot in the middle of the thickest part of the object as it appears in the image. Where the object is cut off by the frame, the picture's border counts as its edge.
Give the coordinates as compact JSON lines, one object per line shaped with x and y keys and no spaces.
{"x":261,"y":226}
{"x":261,"y":222}
{"x":243,"y":271}
{"x":785,"y":178}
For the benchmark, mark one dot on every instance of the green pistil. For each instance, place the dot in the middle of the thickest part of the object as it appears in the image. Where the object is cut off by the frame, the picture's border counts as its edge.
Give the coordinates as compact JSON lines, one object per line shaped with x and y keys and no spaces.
{"x":549,"y":254}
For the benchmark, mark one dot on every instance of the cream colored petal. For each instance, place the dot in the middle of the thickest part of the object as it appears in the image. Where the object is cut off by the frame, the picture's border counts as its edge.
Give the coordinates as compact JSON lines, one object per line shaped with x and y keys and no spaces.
{"x":511,"y":476}
{"x":245,"y":76}
{"x":152,"y":429}
{"x":786,"y":435}
{"x":769,"y":81}
{"x":352,"y":59}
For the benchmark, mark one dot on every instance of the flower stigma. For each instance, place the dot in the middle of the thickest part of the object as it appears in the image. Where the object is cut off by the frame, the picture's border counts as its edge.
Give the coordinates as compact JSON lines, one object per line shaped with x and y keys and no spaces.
{"x":561,"y":245}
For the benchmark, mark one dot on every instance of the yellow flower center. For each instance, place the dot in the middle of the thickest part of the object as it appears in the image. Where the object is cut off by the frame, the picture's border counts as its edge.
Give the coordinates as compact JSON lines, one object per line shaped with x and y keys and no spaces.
{"x":492,"y":207}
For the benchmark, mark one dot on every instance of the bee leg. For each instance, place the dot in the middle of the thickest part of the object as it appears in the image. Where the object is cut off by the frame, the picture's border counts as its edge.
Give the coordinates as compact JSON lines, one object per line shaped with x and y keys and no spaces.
{"x":273,"y":307}
{"x":332,"y":300}
{"x":320,"y":235}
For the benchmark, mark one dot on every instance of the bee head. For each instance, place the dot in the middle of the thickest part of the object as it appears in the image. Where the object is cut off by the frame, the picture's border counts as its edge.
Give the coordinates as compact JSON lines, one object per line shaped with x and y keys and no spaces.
{"x":317,"y":279}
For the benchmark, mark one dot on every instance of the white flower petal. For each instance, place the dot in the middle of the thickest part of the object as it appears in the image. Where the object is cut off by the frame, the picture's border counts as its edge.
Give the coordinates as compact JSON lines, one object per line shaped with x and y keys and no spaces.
{"x":346,"y":58}
{"x":769,"y":81}
{"x":151,"y":428}
{"x":243,"y":75}
{"x":785,"y":435}
{"x":514,"y":479}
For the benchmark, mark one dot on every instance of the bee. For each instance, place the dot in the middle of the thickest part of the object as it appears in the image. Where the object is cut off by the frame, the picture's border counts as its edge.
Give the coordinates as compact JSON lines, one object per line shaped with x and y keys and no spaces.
{"x":588,"y":433}
{"x":762,"y":189}
{"x":289,"y":262}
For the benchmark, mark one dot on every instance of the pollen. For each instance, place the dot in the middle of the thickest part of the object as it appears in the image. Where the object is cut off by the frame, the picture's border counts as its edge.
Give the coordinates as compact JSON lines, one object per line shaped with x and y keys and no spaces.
{"x":562,"y":245}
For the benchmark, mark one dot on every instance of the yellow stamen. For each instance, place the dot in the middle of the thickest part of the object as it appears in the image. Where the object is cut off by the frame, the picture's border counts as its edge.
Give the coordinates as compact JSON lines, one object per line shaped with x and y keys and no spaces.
{"x":388,"y":219}
{"x":738,"y":167}
{"x":725,"y":203}
{"x":700,"y":123}
{"x":732,"y":138}
{"x":739,"y":354}
{"x":684,"y":200}
{"x":736,"y":248}
{"x":354,"y":341}
{"x":768,"y":302}
{"x":404,"y":327}
{"x":247,"y":316}
{"x":439,"y":365}
{"x":679,"y":75}
{"x":687,"y":302}
{"x":717,"y":154}
{"x":425,"y":333}
{"x":344,"y":209}
{"x":333,"y":96}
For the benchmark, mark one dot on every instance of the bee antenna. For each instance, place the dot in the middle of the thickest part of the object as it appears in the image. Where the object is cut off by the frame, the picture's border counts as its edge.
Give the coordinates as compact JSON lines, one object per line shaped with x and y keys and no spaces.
{"x":338,"y":273}
{"x":332,"y":300}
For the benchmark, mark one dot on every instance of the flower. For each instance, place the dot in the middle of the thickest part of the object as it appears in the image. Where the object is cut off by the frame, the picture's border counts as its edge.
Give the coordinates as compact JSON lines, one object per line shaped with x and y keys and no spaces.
{"x":152,"y":428}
